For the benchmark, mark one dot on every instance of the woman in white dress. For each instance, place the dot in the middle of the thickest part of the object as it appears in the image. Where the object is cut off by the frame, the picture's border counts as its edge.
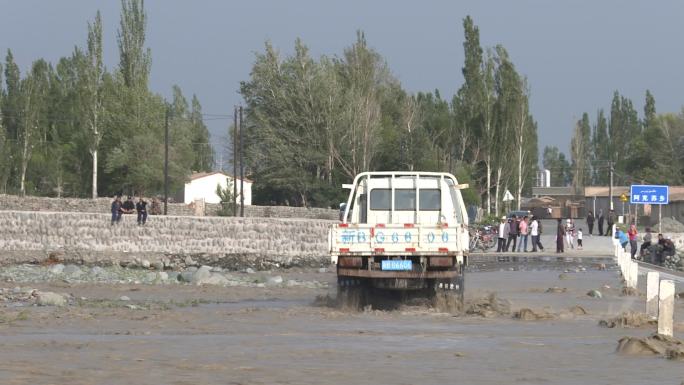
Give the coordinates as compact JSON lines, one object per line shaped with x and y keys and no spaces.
{"x":570,"y":233}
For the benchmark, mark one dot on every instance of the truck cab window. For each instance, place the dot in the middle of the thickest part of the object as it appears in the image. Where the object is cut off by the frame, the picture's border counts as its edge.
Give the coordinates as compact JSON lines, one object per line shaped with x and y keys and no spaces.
{"x":381,"y":199}
{"x":430,"y":200}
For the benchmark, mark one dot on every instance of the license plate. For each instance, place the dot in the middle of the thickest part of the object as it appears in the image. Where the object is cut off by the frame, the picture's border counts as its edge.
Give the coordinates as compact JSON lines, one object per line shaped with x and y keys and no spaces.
{"x":396,"y":265}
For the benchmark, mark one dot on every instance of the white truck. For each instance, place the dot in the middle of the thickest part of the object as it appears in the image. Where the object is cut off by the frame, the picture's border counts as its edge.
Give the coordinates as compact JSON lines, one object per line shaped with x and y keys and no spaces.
{"x":405,"y":231}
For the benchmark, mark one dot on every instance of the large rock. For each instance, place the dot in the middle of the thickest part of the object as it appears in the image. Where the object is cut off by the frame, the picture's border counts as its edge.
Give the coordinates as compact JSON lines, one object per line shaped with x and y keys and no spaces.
{"x":151,"y":277}
{"x":72,"y":271}
{"x":277,"y":280}
{"x":185,"y":276}
{"x":56,"y":269}
{"x":48,"y":298}
{"x":201,"y":275}
{"x":215,"y":279}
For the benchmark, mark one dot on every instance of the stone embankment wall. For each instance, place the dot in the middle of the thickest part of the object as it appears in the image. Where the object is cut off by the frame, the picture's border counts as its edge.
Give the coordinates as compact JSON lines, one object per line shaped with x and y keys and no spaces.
{"x":102,"y":205}
{"x":90,"y":238}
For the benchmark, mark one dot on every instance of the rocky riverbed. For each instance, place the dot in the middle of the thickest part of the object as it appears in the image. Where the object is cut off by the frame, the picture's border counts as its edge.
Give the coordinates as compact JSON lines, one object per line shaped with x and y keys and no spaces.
{"x":76,"y":324}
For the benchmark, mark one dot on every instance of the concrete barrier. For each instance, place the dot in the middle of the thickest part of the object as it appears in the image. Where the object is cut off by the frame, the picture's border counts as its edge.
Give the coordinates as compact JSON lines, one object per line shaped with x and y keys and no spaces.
{"x":633,"y":274}
{"x":652,"y":288}
{"x":666,"y":308}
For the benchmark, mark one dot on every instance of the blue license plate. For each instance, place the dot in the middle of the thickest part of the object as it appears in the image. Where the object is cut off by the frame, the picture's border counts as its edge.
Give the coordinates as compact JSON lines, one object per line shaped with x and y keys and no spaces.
{"x":396,"y":265}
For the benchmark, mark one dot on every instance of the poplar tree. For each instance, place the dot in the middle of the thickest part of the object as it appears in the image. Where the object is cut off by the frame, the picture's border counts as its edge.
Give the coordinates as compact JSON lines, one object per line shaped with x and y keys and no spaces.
{"x":601,"y":149}
{"x":92,"y":94}
{"x":580,"y":150}
{"x":204,"y":153}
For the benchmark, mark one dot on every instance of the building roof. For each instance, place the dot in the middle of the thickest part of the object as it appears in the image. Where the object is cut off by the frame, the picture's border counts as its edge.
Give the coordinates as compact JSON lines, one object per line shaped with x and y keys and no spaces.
{"x":200,"y":175}
{"x":676,"y":192}
{"x":604,"y":191}
{"x":553,"y":191}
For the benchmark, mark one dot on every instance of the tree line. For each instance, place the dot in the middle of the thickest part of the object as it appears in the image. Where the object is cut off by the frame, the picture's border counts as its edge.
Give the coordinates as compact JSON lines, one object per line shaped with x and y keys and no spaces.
{"x":314,"y":123}
{"x":76,"y":128}
{"x":646,"y":150}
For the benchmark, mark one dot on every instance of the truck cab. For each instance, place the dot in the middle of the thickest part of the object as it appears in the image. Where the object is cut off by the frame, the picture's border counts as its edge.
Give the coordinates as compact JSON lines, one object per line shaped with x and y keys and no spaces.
{"x":401,"y":231}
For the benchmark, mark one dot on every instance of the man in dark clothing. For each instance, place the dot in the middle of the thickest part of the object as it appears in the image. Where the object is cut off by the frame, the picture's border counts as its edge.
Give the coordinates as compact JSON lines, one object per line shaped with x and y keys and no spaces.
{"x":600,"y":222}
{"x":611,"y":221}
{"x":560,"y":234}
{"x":116,"y":210}
{"x":141,"y":208}
{"x":512,"y":232}
{"x":664,"y":248}
{"x":590,"y":222}
{"x":128,"y":206}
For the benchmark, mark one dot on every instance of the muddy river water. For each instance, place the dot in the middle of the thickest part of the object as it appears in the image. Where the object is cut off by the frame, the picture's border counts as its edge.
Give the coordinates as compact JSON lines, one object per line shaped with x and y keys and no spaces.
{"x":215,"y":335}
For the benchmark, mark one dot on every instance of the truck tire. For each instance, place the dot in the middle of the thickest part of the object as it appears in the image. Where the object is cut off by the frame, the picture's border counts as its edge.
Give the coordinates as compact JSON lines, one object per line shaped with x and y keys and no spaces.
{"x":445,"y":298}
{"x":460,"y":280}
{"x":352,"y":293}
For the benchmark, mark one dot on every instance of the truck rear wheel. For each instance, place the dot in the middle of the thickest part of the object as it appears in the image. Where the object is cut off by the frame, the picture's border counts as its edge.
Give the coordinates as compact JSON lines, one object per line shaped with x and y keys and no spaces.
{"x":352,"y":293}
{"x":449,"y":295}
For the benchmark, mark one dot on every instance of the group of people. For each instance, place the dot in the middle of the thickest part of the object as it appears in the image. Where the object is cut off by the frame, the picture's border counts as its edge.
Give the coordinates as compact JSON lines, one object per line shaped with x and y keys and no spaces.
{"x":610,"y":219}
{"x":657,"y":252}
{"x":129,"y":207}
{"x":516,"y":231}
{"x":567,"y":233}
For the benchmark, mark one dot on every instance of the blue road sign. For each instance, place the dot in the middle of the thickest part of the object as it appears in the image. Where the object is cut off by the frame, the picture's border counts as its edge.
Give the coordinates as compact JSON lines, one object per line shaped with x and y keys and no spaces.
{"x":649,"y":194}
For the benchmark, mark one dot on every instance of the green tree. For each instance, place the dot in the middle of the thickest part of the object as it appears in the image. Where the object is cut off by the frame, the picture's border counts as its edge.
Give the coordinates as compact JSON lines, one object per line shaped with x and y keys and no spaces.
{"x":135,"y":60}
{"x":554,"y":161}
{"x":649,"y":110}
{"x":204,"y":153}
{"x":11,"y":110}
{"x":580,"y":151}
{"x":92,"y":100}
{"x":4,"y":143}
{"x":32,"y":115}
{"x":601,"y":150}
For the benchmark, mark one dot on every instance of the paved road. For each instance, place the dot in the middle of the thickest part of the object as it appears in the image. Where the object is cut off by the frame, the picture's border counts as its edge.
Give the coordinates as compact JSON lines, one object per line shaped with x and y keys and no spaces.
{"x":676,"y":276}
{"x":593,"y":245}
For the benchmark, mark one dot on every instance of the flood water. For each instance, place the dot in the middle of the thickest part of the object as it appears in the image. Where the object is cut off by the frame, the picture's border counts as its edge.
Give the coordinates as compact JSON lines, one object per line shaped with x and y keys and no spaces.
{"x":278,"y":337}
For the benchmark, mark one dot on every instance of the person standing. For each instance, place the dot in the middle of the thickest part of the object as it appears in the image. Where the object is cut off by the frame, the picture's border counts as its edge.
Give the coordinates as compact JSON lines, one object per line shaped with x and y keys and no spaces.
{"x":600,"y":222}
{"x":523,"y":229}
{"x":579,"y":239}
{"x":141,"y":208}
{"x":535,"y":232}
{"x":590,"y":222}
{"x":501,"y":245}
{"x":570,"y":233}
{"x":116,"y":210}
{"x":611,"y":221}
{"x":560,"y":234}
{"x":512,"y":233}
{"x":632,"y":232}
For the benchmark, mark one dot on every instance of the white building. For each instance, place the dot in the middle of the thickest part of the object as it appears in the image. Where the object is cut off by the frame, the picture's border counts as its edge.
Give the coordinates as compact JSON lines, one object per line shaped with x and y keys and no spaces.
{"x":202,"y":185}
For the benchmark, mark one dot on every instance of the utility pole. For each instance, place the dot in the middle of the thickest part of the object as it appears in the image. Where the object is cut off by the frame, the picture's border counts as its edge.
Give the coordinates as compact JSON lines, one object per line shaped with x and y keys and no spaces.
{"x":242,"y":171}
{"x":235,"y":123}
{"x":166,"y":159}
{"x":610,"y":188}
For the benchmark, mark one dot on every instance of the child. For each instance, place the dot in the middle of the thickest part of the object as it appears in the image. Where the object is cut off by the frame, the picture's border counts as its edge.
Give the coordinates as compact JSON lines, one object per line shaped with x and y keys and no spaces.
{"x":579,"y":239}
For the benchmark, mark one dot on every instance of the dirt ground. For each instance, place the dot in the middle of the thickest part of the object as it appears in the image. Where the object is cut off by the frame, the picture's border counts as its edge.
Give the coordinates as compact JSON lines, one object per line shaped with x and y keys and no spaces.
{"x":184,"y":334}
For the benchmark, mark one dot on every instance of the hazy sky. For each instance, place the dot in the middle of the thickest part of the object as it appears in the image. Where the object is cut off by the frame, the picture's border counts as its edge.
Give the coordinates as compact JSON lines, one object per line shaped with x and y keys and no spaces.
{"x":574,"y":53}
